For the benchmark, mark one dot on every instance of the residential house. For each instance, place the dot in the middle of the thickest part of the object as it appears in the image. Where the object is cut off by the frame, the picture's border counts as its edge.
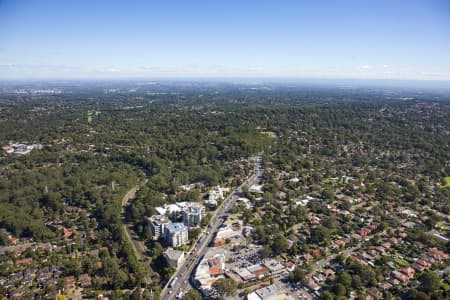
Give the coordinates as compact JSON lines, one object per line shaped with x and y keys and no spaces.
{"x":84,"y":281}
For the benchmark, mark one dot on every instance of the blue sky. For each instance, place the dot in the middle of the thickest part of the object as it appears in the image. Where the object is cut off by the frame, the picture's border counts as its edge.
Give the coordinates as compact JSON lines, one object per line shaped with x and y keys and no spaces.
{"x":392,"y":39}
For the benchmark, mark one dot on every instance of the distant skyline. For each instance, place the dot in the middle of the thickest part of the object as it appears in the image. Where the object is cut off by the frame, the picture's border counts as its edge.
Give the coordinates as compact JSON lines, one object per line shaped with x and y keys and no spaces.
{"x":359,"y":39}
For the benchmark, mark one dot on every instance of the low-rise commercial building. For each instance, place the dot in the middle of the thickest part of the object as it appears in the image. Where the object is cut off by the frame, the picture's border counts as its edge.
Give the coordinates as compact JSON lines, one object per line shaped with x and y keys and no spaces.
{"x":174,"y":257}
{"x":210,"y":269}
{"x":269,"y":292}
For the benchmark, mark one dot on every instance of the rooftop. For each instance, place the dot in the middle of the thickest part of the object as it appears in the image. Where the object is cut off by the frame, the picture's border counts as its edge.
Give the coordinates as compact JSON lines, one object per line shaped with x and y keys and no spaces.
{"x":269,"y":292}
{"x":161,"y":219}
{"x":176,"y":227}
{"x":173,"y":254}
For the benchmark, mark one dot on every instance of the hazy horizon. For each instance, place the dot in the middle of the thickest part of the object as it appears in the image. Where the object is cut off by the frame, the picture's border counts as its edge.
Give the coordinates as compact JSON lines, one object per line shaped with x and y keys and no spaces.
{"x":295,"y":81}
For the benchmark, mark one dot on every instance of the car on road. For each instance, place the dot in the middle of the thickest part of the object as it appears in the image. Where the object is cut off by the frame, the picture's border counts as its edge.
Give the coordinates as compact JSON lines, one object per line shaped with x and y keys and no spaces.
{"x":174,"y":281}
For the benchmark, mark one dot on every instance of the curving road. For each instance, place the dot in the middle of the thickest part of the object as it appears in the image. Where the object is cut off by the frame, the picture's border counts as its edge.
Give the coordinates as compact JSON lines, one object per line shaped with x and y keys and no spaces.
{"x":138,"y":247}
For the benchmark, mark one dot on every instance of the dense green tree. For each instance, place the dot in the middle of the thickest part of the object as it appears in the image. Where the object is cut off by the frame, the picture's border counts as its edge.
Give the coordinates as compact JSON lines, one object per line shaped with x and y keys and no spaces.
{"x":297,"y":275}
{"x":327,"y":295}
{"x":320,"y":235}
{"x":192,"y":294}
{"x":429,"y":282}
{"x":344,"y":278}
{"x":225,"y":287}
{"x":340,"y":290}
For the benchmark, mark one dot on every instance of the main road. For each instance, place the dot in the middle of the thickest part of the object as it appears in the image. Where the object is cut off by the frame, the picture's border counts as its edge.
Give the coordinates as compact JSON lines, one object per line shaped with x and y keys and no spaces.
{"x":193,"y":258}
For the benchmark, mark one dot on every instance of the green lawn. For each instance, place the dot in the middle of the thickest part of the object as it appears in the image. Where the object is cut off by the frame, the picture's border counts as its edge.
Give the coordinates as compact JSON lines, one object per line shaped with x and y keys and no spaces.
{"x":447,"y":181}
{"x":401,"y":262}
{"x":446,"y":286}
{"x":270,"y":134}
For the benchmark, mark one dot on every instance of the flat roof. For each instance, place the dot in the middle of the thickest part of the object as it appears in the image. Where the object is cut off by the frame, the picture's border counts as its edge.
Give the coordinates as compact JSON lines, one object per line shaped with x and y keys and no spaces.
{"x":173,"y":254}
{"x":176,"y":227}
{"x":269,"y":291}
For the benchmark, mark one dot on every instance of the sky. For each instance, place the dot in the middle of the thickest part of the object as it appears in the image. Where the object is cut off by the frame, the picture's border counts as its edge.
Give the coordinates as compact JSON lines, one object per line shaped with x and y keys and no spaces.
{"x":380,"y":39}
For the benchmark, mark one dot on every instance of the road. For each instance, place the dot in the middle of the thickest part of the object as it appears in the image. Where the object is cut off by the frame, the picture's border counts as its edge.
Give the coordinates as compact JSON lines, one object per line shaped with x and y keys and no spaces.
{"x":138,"y":247}
{"x":129,"y":195}
{"x":326,"y":261}
{"x":126,"y":227}
{"x":198,"y":251}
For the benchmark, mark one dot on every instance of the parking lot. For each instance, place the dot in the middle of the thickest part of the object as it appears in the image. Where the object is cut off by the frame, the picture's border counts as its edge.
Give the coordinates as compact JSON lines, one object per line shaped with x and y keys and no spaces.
{"x":243,"y":257}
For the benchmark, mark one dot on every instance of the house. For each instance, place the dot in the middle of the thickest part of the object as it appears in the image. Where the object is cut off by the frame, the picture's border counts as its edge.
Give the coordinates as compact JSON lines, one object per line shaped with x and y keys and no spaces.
{"x":380,"y":249}
{"x":17,"y":294}
{"x":316,"y":253}
{"x":400,"y":276}
{"x":421,"y":264}
{"x":174,"y":257}
{"x":437,"y":254}
{"x":403,"y":235}
{"x":12,"y":240}
{"x":69,"y":283}
{"x":393,"y":281}
{"x":27,"y":280}
{"x":24,"y":261}
{"x":340,"y":243}
{"x":312,"y":285}
{"x":358,"y":260}
{"x":256,"y":189}
{"x":290,"y":266}
{"x":244,"y":201}
{"x":307,"y":257}
{"x":67,"y":233}
{"x":393,"y":241}
{"x":386,"y":245}
{"x":363,"y":232}
{"x":328,"y":273}
{"x":375,"y":293}
{"x":384,"y":286}
{"x":409,"y":272}
{"x":84,"y":281}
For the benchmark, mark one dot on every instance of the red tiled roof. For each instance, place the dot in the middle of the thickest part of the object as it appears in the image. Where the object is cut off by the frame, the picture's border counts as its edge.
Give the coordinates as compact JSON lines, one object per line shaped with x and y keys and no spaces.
{"x":214,"y":271}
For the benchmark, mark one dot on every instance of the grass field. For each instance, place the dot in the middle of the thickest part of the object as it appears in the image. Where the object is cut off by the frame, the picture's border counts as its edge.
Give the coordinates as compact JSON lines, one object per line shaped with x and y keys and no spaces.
{"x":270,"y":134}
{"x":401,"y":262}
{"x":447,"y":181}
